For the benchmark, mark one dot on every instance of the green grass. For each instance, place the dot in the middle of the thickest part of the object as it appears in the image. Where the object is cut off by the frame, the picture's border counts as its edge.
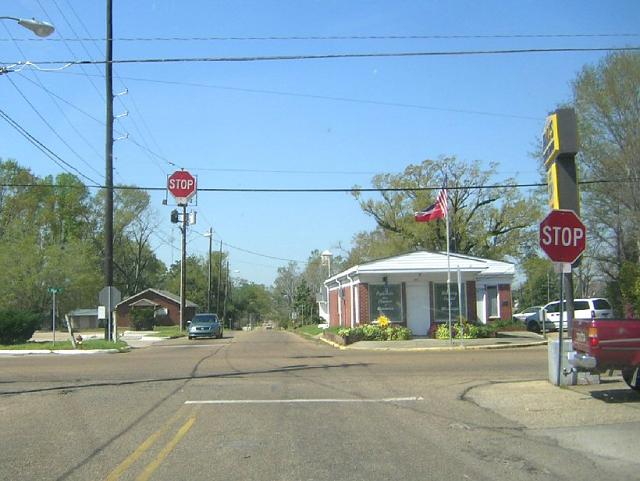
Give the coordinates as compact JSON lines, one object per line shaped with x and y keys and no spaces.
{"x":310,"y":330}
{"x":65,"y":345}
{"x":170,"y":331}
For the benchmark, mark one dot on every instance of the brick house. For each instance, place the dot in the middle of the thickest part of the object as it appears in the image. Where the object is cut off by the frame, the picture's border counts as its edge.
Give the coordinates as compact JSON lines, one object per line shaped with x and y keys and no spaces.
{"x":411,"y":290}
{"x":166,"y":307}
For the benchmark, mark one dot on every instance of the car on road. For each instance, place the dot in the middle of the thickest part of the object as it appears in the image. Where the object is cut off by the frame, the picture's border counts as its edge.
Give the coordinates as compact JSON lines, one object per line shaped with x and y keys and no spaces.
{"x":522,"y":315}
{"x":533,"y":322}
{"x":591,"y":308}
{"x":205,"y":325}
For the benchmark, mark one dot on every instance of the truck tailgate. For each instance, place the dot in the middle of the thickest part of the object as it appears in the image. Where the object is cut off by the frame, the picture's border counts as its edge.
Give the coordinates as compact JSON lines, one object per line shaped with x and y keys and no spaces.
{"x":615,"y":343}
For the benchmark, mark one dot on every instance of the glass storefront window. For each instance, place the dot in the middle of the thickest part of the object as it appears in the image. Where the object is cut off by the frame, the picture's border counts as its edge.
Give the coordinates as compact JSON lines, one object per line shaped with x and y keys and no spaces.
{"x":387,"y":300}
{"x":440,"y":302}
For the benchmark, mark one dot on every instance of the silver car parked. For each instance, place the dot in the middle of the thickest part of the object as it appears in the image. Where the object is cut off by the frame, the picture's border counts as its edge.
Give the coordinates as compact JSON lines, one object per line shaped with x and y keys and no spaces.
{"x":205,"y":325}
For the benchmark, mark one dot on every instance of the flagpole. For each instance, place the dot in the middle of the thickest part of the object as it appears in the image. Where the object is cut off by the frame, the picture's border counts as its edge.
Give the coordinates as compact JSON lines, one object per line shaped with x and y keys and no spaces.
{"x":446,"y":217}
{"x":461,"y":323}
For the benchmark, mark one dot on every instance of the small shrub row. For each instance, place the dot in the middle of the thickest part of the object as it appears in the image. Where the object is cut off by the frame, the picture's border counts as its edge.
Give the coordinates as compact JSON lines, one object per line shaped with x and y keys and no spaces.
{"x":372,"y":332}
{"x":17,"y":327}
{"x":468,"y":330}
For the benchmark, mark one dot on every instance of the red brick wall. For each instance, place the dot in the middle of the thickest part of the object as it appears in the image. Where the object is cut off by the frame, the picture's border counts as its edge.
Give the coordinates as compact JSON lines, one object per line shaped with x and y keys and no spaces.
{"x":346,"y":307}
{"x":504,"y":297}
{"x":363,"y":293}
{"x":334,"y":318}
{"x":123,"y":313}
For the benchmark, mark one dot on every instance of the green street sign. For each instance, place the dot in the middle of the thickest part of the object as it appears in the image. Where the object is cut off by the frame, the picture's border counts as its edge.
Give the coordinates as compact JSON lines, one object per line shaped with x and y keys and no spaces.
{"x":55,"y":290}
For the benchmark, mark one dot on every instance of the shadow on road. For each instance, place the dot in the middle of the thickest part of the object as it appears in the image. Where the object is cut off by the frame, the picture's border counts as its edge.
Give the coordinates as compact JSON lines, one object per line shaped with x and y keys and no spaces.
{"x":298,"y":367}
{"x":616,"y":396}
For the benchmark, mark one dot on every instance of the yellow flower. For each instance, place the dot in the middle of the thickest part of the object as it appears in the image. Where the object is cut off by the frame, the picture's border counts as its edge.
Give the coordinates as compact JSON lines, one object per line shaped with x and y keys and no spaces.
{"x":383,"y":321}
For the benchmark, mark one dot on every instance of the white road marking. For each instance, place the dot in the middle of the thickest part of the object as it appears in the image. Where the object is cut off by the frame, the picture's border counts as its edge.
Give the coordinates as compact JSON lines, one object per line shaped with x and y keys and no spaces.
{"x":303,"y":401}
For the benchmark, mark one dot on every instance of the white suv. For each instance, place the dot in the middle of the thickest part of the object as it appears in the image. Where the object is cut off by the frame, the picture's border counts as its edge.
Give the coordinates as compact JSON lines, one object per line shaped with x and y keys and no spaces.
{"x":596,"y":308}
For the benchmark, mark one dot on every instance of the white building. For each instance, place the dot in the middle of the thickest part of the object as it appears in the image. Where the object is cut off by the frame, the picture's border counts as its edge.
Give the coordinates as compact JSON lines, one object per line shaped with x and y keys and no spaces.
{"x":411,"y":290}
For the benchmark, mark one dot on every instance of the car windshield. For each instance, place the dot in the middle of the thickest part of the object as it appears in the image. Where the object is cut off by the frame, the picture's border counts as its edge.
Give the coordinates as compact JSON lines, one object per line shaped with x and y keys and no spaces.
{"x":204,"y":319}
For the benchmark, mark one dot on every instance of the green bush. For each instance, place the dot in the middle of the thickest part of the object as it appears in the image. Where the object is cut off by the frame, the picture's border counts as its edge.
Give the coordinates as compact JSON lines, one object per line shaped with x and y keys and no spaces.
{"x":142,"y":319}
{"x":372,"y":332}
{"x":461,"y":330}
{"x":17,"y":327}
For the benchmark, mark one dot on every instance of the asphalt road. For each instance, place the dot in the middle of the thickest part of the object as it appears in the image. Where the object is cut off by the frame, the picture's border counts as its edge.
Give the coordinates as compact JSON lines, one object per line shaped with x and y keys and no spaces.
{"x":268,"y":405}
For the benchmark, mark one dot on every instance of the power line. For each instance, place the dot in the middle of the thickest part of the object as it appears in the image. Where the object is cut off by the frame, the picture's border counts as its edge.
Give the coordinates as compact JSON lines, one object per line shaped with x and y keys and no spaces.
{"x":338,"y":190}
{"x":101,"y":122}
{"x":345,"y":37}
{"x":247,"y":251}
{"x":271,"y":58}
{"x":327,"y":97}
{"x":48,"y":152}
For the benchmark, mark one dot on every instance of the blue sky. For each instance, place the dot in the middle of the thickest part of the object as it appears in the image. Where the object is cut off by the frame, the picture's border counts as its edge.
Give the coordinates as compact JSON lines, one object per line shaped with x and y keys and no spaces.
{"x":293,"y":124}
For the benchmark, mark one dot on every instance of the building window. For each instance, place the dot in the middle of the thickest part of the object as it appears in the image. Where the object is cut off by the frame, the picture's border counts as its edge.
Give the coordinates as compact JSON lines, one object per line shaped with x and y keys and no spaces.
{"x":492,"y":301}
{"x":385,"y":299}
{"x":440,"y":302}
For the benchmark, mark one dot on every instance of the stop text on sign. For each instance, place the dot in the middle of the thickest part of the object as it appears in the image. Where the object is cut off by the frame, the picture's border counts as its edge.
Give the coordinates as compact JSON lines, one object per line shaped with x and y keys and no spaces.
{"x":181,"y":184}
{"x":562,"y":236}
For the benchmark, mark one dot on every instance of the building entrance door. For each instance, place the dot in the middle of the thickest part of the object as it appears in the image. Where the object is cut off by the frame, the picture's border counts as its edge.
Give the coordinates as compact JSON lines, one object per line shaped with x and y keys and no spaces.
{"x":418,"y":309}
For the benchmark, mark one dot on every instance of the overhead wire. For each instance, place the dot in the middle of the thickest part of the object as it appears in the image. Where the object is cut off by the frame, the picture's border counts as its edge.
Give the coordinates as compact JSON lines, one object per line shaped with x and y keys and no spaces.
{"x":330,"y":56}
{"x":347,"y":190}
{"x":46,"y":122}
{"x":101,"y":74}
{"x":354,"y":37}
{"x":327,"y":97}
{"x":63,"y":164}
{"x":55,"y":132}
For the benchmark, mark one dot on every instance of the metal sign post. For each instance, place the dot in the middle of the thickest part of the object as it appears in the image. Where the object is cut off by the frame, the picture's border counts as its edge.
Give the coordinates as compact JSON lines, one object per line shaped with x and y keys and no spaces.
{"x":54,"y":291}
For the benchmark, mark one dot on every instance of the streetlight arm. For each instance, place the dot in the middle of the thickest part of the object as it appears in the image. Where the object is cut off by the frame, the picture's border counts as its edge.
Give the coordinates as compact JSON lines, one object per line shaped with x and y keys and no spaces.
{"x":40,"y":28}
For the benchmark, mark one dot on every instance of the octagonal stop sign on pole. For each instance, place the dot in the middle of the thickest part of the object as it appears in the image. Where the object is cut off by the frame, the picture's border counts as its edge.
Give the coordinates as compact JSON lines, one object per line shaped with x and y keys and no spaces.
{"x":182,"y":186}
{"x":563,"y":236}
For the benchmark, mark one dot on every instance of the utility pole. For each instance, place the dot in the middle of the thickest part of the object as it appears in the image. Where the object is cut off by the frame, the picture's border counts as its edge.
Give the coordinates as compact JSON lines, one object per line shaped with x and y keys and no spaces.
{"x":210,"y":235}
{"x":183,"y":266}
{"x":226,"y":293}
{"x":219,"y":281}
{"x":108,"y":220}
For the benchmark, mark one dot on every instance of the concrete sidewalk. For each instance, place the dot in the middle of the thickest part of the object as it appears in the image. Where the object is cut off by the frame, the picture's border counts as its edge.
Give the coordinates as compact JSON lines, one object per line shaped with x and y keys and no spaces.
{"x":134,"y":339}
{"x":600,"y":420}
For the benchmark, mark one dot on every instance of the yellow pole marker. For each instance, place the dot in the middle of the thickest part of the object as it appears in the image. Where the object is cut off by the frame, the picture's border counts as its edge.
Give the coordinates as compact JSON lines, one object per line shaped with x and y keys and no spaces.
{"x":151,"y":467}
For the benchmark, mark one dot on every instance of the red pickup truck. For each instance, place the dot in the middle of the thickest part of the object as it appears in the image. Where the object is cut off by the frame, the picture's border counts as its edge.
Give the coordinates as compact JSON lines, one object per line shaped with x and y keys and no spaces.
{"x":603,"y":344}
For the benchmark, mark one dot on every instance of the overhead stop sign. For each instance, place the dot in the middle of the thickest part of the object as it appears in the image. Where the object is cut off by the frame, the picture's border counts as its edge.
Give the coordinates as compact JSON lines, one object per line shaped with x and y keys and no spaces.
{"x":182,"y":186}
{"x":563,"y":236}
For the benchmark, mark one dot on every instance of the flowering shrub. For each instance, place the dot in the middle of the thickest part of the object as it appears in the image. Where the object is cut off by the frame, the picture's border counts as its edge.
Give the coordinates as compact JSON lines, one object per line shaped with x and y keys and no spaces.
{"x":383,"y":321}
{"x":372,"y":332}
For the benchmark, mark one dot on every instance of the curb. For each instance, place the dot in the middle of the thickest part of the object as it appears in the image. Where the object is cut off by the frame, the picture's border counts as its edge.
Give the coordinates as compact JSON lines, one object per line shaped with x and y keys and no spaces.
{"x":62,"y":352}
{"x":436,"y":348}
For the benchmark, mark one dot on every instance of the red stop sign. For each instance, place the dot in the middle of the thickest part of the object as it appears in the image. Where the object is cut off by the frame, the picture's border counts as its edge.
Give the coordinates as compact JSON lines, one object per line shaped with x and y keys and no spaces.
{"x":563,"y":236}
{"x":182,"y":186}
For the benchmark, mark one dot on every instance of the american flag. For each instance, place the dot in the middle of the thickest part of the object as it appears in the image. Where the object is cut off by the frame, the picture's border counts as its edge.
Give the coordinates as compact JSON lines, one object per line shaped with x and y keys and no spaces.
{"x":438,"y":210}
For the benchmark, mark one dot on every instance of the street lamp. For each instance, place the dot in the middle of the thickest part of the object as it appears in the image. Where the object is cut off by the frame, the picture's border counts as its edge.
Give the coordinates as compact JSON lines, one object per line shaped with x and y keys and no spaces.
{"x":40,"y":28}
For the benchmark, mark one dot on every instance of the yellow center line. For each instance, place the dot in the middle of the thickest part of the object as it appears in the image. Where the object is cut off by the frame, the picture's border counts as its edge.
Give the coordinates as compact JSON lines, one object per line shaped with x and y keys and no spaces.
{"x":140,"y":450}
{"x":151,"y":467}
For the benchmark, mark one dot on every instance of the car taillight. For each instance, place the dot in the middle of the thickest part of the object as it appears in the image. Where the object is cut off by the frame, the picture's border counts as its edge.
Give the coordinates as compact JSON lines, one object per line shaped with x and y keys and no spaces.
{"x":592,"y":334}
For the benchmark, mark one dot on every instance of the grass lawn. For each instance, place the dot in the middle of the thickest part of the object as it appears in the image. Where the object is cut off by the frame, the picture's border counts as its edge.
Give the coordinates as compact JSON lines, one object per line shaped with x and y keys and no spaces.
{"x":65,"y":345}
{"x":170,"y":331}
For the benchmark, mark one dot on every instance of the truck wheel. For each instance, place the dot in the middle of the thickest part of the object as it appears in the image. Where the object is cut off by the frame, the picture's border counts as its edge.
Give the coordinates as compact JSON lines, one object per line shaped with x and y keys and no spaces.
{"x":533,"y":326}
{"x":631,"y":376}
